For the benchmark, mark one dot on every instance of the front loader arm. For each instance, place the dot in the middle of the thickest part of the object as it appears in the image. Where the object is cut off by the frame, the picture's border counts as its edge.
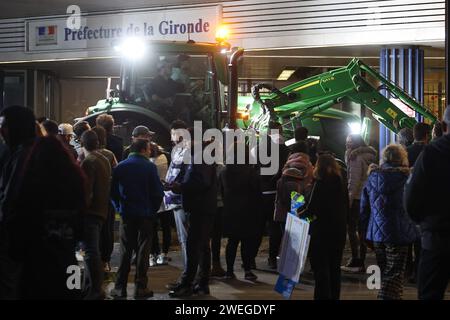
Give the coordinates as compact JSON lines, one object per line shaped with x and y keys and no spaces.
{"x":313,"y":95}
{"x":383,"y":109}
{"x":399,"y":93}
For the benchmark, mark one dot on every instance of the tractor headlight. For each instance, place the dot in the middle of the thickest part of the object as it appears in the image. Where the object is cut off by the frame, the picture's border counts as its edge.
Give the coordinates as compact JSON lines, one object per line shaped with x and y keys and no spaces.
{"x":355,"y":127}
{"x":132,"y":48}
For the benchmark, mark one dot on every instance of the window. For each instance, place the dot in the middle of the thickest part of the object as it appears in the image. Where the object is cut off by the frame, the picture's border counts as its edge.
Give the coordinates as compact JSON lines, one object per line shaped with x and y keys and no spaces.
{"x":14,"y":89}
{"x":174,"y":86}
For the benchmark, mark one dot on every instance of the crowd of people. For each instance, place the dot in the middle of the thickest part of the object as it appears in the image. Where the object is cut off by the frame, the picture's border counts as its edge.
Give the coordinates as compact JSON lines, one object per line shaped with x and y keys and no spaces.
{"x":62,"y":185}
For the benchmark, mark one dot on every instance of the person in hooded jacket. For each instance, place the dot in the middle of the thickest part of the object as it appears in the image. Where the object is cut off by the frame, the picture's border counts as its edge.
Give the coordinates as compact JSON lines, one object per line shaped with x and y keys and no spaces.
{"x":425,"y":202}
{"x":384,"y":221}
{"x":358,"y":157}
{"x":297,"y":175}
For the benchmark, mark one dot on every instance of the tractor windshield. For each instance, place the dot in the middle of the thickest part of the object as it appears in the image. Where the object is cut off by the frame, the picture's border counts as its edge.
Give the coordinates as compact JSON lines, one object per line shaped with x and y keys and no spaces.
{"x":175,"y":86}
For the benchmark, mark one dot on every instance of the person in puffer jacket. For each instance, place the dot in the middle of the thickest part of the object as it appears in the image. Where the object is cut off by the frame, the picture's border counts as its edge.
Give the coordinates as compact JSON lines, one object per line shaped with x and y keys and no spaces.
{"x":384,"y":221}
{"x":358,"y":157}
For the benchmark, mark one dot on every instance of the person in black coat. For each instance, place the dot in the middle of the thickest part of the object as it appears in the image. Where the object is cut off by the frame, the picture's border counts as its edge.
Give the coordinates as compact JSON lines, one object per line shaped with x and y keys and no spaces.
{"x":4,"y":153}
{"x":46,"y":223}
{"x":242,"y":198}
{"x":425,"y":201}
{"x":268,"y":189}
{"x":199,"y":191}
{"x":328,"y":209}
{"x":421,"y":133}
{"x":421,"y":137}
{"x":18,"y":129}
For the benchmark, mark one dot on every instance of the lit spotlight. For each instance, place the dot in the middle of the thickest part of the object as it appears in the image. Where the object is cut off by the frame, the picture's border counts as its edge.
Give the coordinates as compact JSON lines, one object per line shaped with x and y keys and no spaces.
{"x":131,"y":48}
{"x":355,"y":127}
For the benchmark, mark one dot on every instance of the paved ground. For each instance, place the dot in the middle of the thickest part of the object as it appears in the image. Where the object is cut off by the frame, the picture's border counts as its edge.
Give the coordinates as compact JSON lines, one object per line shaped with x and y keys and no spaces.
{"x":353,"y":285}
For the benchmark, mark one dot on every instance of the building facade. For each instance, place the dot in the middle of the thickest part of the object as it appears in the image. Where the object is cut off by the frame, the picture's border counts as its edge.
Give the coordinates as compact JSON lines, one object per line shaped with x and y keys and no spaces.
{"x":59,"y":63}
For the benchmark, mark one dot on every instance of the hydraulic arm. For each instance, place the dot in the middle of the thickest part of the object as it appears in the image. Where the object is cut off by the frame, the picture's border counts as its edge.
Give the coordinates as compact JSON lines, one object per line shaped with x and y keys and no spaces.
{"x":356,"y":82}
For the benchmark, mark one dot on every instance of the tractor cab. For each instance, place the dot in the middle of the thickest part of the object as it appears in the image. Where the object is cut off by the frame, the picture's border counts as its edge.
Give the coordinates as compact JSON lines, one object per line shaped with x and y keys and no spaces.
{"x":161,"y":81}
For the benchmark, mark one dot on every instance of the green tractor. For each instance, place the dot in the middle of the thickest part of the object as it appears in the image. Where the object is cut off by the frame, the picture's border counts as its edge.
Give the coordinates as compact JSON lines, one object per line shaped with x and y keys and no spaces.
{"x":207,"y":72}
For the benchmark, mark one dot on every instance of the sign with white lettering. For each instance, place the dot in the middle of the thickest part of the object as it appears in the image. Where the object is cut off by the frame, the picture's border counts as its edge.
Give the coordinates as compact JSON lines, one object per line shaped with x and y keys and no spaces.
{"x":102,"y":31}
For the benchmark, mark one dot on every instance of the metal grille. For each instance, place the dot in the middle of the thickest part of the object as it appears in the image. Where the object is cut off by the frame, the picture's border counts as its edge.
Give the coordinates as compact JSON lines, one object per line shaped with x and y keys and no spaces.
{"x":272,"y":18}
{"x":12,"y":35}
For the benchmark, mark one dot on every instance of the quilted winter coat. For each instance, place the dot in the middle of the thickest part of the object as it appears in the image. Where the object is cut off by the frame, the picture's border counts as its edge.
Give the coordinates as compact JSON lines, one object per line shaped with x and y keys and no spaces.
{"x":382,"y":215}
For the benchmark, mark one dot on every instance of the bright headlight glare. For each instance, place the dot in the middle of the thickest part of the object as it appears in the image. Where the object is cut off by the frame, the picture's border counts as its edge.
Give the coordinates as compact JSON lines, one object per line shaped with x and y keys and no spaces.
{"x":355,"y":127}
{"x":131,"y":48}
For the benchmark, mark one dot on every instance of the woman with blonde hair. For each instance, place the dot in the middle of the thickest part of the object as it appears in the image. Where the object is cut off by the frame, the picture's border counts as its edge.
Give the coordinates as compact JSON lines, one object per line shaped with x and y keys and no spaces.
{"x":384,"y":222}
{"x":328,"y":208}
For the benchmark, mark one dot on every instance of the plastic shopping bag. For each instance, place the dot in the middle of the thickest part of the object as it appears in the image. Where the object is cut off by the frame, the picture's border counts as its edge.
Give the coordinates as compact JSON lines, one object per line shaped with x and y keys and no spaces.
{"x":294,"y":249}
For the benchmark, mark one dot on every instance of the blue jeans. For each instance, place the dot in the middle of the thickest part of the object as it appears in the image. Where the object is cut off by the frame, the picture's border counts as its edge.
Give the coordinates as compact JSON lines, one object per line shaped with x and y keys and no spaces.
{"x":181,"y":221}
{"x":93,"y":275}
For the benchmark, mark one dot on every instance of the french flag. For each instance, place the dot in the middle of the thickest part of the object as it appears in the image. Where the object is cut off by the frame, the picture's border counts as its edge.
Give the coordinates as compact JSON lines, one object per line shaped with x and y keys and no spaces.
{"x":49,"y":30}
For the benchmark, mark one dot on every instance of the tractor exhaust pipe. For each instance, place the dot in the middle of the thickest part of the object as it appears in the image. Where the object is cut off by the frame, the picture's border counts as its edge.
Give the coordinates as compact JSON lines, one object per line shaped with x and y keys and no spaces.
{"x":233,"y":86}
